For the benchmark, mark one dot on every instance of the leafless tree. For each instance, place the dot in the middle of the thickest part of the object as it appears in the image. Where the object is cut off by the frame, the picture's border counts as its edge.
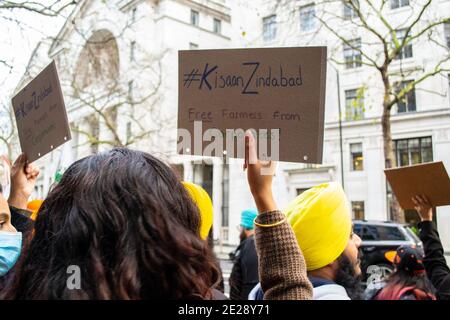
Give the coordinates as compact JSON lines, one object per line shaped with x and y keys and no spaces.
{"x":7,"y":129}
{"x":385,"y":43}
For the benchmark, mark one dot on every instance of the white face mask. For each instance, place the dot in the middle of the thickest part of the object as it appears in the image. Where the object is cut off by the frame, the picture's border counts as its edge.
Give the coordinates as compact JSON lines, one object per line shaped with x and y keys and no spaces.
{"x":10,"y":248}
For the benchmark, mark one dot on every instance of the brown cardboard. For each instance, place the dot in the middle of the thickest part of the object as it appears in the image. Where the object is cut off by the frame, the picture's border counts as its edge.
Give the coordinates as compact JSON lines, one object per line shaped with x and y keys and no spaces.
{"x":41,"y":115}
{"x":251,"y":99}
{"x":430,"y":179}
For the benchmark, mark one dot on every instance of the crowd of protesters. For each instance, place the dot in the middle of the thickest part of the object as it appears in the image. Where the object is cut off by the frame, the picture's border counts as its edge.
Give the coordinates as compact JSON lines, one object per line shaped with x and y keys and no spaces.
{"x":134,"y":230}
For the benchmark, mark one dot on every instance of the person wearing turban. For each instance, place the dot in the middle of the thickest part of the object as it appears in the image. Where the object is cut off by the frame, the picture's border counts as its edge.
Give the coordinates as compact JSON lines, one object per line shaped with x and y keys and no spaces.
{"x":322,"y":224}
{"x":204,"y":204}
{"x":205,"y":208}
{"x":244,"y":274}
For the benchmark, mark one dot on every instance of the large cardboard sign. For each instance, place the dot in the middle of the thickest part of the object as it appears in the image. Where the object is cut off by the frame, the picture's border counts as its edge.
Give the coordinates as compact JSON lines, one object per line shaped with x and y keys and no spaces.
{"x":261,"y":89}
{"x":41,"y":115}
{"x":430,"y":179}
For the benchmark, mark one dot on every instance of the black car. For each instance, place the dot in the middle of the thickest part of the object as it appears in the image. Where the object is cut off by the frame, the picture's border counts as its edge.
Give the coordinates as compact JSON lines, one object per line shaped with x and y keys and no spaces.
{"x":379,"y":237}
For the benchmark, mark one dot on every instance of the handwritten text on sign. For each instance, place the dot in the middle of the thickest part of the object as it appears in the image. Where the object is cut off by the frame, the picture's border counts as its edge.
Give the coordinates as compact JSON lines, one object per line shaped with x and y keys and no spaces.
{"x":41,"y":115}
{"x":249,"y":81}
{"x":265,"y":89}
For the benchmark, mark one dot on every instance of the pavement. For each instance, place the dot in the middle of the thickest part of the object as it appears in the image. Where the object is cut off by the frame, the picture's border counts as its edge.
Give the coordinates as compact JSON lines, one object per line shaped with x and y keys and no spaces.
{"x":225,"y":264}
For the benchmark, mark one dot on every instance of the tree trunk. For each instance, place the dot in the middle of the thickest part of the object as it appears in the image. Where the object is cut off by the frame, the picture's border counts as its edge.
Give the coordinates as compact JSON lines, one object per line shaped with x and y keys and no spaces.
{"x":397,"y":213}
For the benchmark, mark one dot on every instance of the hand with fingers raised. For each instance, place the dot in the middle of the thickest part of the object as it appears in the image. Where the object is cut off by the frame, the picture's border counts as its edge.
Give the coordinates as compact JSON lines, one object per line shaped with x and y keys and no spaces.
{"x":23,"y":180}
{"x":259,"y":175}
{"x":423,"y":207}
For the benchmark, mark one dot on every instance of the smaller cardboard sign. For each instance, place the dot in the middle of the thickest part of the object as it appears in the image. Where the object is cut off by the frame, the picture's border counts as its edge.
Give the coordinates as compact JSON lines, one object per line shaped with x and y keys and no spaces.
{"x":41,"y":115}
{"x":429,"y":179}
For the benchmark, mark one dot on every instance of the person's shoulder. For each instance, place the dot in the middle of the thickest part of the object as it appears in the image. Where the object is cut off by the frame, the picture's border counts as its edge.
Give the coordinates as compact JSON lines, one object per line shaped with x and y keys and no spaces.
{"x":330,"y":292}
{"x":250,"y":241}
{"x":217,"y":295}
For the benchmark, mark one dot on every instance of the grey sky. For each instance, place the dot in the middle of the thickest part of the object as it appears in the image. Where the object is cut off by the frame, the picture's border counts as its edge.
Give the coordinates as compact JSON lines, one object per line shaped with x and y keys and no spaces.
{"x":20,"y":32}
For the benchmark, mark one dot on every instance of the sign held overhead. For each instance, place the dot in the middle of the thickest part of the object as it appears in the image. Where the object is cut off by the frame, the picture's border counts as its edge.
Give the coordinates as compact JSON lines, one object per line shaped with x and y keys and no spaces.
{"x":278,"y":92}
{"x":41,"y":115}
{"x":429,"y":179}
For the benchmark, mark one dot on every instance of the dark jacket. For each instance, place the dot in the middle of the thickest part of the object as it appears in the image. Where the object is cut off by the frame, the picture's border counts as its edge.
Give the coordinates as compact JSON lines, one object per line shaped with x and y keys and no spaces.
{"x":20,"y":219}
{"x":435,"y":264}
{"x":244,"y":275}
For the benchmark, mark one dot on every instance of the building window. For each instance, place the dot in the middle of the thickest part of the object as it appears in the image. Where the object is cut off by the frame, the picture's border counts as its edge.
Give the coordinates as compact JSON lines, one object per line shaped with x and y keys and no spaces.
{"x":408,"y":102}
{"x":354,"y":104}
{"x":399,"y":3}
{"x":132,"y":51}
{"x":356,"y":157}
{"x":447,"y":33}
{"x":299,"y":191}
{"x":195,"y":18}
{"x":193,"y":46}
{"x":349,"y":11}
{"x":133,"y":15}
{"x":409,"y":152}
{"x":129,"y":132}
{"x":94,"y":131}
{"x":448,"y":77}
{"x":225,"y":195}
{"x":352,"y":54}
{"x":217,"y":27}
{"x":358,"y":210}
{"x":413,"y":151}
{"x":130,"y":90}
{"x":270,"y":28}
{"x":407,"y":50}
{"x":307,"y":18}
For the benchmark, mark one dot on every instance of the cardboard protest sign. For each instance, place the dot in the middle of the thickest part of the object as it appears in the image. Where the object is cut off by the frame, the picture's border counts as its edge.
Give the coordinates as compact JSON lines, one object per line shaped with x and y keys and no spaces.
{"x":430,"y":179}
{"x":279,"y":92}
{"x":41,"y":115}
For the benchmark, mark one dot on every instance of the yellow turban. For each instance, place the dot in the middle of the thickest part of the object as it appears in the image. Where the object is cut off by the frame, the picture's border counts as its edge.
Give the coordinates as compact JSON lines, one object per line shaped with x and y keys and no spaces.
{"x":320,"y":218}
{"x":204,"y":204}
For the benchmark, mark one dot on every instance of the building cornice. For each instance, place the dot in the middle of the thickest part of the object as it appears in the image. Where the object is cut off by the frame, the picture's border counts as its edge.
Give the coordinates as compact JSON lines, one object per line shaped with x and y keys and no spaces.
{"x":394,"y":118}
{"x":192,"y":26}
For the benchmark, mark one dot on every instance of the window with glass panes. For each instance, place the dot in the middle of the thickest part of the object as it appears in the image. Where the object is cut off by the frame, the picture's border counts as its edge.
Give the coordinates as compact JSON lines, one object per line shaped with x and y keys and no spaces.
{"x":413,"y":151}
{"x":358,"y":210}
{"x":408,"y":152}
{"x":354,"y":104}
{"x":300,"y":190}
{"x":195,"y":17}
{"x":399,"y":3}
{"x":133,"y":51}
{"x":270,"y":28}
{"x":448,"y":77}
{"x":217,"y":28}
{"x":447,"y":33}
{"x":225,"y":195}
{"x":352,"y":54}
{"x":307,"y":18}
{"x":349,"y":11}
{"x":408,"y":102}
{"x":356,"y":157}
{"x":407,"y":50}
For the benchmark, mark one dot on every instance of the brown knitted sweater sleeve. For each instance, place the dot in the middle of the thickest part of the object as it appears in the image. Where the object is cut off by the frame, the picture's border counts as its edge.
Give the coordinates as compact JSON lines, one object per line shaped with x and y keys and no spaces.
{"x":282,"y":267}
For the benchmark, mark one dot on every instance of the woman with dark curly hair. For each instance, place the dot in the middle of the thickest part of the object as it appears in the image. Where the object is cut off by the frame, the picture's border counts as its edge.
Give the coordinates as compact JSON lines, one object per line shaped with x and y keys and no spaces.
{"x":126,"y":222}
{"x":130,"y":226}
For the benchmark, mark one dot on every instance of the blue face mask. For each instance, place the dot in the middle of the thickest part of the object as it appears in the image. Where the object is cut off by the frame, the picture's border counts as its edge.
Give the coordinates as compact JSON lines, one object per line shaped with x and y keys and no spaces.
{"x":10,"y":247}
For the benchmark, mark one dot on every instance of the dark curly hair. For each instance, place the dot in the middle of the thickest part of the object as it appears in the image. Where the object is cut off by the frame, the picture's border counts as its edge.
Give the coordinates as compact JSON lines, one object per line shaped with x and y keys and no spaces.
{"x":127,"y":222}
